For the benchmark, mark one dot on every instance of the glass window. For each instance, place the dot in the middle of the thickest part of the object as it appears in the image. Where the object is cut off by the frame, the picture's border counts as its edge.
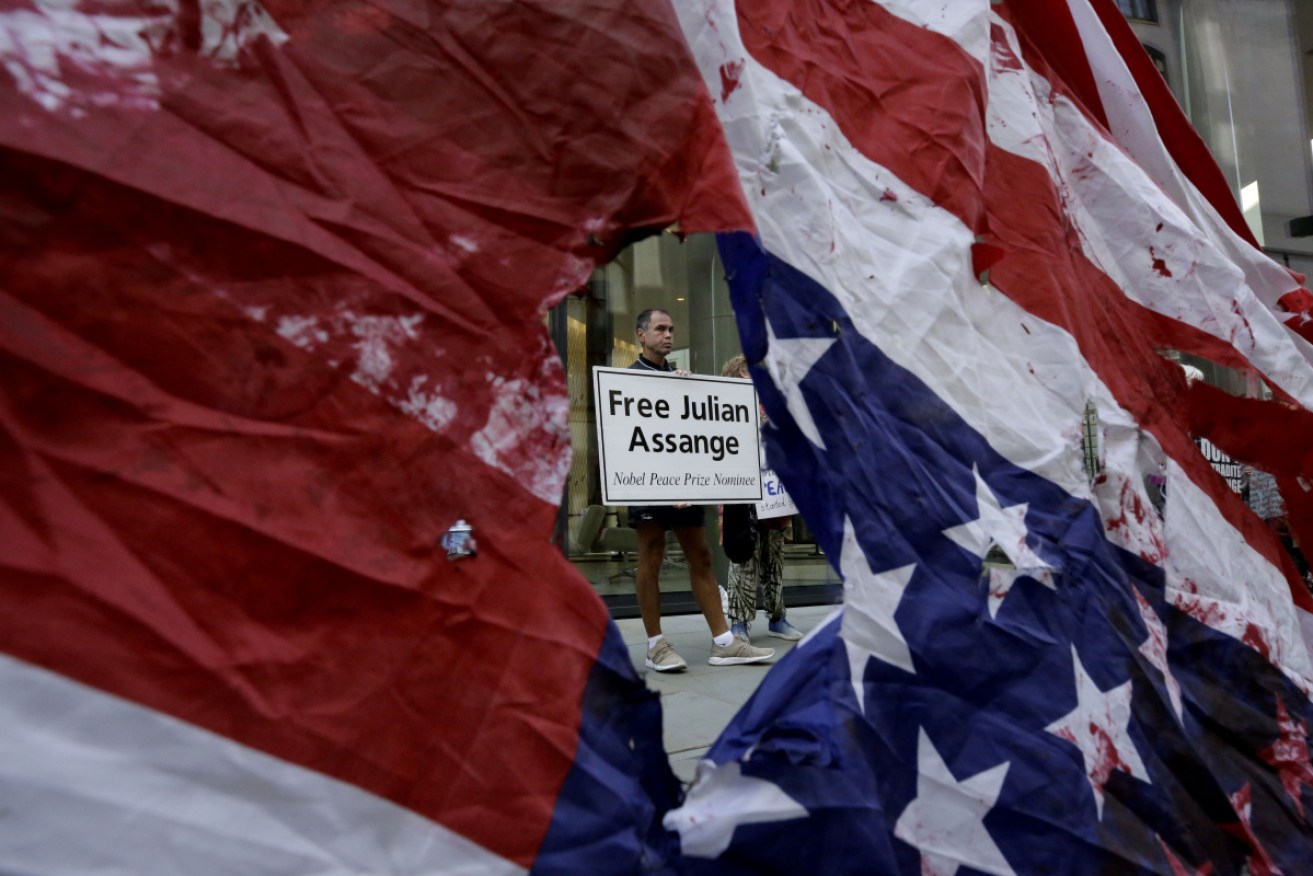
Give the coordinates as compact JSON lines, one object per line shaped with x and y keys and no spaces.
{"x":1159,"y":61}
{"x":1142,"y":10}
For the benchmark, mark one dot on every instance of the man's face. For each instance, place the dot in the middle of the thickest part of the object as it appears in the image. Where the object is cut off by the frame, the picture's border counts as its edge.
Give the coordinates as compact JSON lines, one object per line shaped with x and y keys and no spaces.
{"x":658,"y":339}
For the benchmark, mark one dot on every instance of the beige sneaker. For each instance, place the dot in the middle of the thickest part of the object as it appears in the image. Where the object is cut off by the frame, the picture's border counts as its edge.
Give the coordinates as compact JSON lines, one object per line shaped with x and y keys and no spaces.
{"x":663,"y":658}
{"x":739,"y":651}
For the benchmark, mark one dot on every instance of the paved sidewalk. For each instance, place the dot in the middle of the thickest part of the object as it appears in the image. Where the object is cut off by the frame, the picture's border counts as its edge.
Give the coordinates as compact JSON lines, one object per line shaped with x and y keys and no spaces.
{"x":699,"y":702}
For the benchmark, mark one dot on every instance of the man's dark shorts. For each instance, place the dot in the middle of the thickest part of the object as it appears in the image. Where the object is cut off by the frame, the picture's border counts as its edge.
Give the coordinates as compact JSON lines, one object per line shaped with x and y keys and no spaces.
{"x":667,"y":516}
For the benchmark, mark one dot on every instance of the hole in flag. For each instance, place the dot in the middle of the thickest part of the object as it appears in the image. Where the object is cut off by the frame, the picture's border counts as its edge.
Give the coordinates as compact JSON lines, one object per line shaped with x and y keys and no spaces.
{"x":997,"y":558}
{"x":1090,"y":456}
{"x":459,"y":541}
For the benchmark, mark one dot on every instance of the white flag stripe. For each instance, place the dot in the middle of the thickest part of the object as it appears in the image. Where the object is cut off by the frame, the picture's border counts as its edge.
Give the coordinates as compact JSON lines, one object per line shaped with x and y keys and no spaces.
{"x":1159,"y":256}
{"x":1214,"y":575}
{"x":821,"y":211}
{"x":94,"y":783}
{"x":1132,"y":124}
{"x":964,"y":23}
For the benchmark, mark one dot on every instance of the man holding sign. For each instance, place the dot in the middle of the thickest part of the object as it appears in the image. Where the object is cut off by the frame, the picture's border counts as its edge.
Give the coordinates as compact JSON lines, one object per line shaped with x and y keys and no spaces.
{"x":656,"y":336}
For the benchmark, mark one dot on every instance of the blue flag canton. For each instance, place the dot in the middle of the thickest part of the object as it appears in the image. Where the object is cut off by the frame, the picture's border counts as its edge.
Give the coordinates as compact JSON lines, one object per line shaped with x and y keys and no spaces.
{"x":1114,"y":752}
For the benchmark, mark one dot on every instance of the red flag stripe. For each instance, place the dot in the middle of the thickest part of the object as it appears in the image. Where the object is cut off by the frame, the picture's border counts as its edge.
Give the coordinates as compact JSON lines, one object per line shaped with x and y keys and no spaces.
{"x":318,"y":646}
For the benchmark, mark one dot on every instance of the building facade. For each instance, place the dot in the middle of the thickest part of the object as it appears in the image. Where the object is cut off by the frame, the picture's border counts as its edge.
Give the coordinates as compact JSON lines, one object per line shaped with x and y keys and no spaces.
{"x":1243,"y":72}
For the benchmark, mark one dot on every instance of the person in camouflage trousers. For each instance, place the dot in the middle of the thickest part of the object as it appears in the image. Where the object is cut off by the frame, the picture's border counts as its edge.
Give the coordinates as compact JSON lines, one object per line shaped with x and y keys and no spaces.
{"x":764,"y":569}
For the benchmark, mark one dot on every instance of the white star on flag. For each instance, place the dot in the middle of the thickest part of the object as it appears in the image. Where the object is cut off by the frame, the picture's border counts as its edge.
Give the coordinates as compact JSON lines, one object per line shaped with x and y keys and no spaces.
{"x":1154,"y":649}
{"x":945,"y":820}
{"x":1260,"y":863}
{"x":868,"y":628}
{"x":1097,"y":726}
{"x":820,"y":628}
{"x":1005,"y":527}
{"x":787,"y":362}
{"x":1230,"y":607}
{"x":720,"y":800}
{"x":1001,"y":581}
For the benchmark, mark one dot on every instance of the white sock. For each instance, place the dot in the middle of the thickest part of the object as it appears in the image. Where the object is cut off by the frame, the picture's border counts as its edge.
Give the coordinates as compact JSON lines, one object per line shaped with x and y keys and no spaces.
{"x":652,"y":640}
{"x":724,"y":638}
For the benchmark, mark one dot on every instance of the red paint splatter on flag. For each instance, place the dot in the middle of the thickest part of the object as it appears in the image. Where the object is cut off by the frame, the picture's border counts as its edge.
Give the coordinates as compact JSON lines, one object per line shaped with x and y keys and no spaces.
{"x":1260,"y":862}
{"x":1255,"y":638}
{"x":1178,"y":868}
{"x":1159,"y":266}
{"x":730,"y":78}
{"x":1299,"y":304}
{"x":1289,"y":754}
{"x":1107,"y":758}
{"x":1249,"y":330}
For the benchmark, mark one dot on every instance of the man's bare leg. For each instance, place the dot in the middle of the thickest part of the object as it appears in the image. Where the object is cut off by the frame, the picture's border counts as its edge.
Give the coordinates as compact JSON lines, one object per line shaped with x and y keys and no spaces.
{"x":693,"y":539}
{"x":647,"y":580}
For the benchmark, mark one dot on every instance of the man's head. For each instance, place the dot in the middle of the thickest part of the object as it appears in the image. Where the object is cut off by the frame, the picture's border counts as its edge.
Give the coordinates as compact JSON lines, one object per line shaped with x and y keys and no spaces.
{"x":656,"y":334}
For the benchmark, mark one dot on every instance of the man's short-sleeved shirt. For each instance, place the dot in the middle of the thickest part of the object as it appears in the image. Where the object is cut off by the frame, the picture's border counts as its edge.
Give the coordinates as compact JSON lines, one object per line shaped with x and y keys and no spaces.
{"x":643,"y":364}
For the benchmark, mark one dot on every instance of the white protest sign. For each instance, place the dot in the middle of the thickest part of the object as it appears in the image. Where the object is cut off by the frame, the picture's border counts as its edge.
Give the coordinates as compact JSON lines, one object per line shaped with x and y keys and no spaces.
{"x":666,"y":439}
{"x":1224,"y":465}
{"x":775,"y":501}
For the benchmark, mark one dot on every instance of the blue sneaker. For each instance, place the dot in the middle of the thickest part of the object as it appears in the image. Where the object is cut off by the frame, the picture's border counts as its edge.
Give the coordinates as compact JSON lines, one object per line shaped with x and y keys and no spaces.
{"x":740,"y":631}
{"x":782,"y":629}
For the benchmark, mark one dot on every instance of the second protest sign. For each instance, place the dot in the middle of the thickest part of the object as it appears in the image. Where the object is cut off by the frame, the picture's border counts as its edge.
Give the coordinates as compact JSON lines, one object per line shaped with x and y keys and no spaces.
{"x":667,"y":439}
